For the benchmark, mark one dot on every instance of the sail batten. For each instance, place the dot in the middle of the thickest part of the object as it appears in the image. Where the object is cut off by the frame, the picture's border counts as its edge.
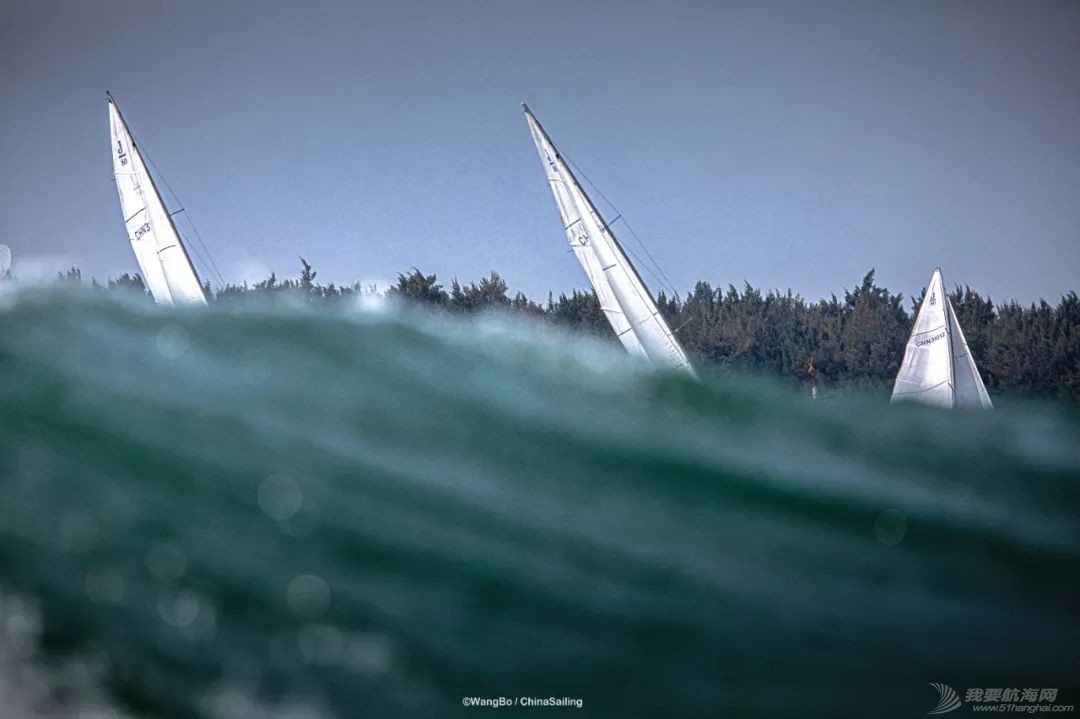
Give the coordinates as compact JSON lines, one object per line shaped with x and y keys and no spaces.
{"x":938,"y":368}
{"x":637,"y":323}
{"x":162,"y":257}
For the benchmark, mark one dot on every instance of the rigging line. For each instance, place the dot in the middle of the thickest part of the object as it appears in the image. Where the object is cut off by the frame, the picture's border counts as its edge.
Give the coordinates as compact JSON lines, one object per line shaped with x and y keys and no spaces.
{"x":652,"y":267}
{"x":209,"y":257}
{"x":668,"y":284}
{"x":208,"y":260}
{"x":663,"y":285}
{"x":208,"y":263}
{"x":194,"y":250}
{"x":663,"y":279}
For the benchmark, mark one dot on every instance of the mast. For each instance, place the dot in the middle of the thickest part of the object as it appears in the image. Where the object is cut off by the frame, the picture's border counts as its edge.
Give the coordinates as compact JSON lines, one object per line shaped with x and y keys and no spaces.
{"x":654,"y":338}
{"x":180,"y":278}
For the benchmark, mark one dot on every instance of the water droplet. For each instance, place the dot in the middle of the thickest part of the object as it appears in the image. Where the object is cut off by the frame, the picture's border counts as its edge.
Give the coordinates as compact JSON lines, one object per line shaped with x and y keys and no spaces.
{"x":368,"y":653}
{"x":166,"y":562}
{"x":178,"y":609}
{"x":890,"y":527}
{"x":280,"y":497}
{"x":308,"y":596}
{"x":172,"y":341}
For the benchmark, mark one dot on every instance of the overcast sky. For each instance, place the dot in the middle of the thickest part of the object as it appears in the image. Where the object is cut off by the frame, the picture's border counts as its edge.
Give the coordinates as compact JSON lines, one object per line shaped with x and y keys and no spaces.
{"x":785,"y":144}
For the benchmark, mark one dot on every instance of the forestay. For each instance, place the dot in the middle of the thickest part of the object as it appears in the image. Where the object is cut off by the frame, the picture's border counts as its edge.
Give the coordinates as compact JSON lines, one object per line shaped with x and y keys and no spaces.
{"x":164,"y":261}
{"x":625,"y":300}
{"x":938,"y":368}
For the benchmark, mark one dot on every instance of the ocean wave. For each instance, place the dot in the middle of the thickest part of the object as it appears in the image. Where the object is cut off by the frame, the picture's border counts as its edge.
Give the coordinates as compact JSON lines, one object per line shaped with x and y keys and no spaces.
{"x":254,"y":508}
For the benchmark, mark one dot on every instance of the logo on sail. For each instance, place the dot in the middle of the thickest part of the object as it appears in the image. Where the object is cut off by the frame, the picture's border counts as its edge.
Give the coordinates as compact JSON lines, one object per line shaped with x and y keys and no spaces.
{"x":947,"y":699}
{"x":933,"y":298}
{"x":120,"y":154}
{"x":929,"y":340}
{"x":580,"y":237}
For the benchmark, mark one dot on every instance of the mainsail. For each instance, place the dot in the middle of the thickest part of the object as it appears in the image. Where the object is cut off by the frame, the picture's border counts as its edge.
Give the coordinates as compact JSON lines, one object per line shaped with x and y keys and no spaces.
{"x":625,"y":300}
{"x":161,"y":254}
{"x":938,"y":368}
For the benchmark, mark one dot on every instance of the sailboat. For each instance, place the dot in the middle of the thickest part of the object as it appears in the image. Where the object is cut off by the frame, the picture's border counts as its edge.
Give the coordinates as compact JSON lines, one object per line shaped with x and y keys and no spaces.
{"x":623,"y":296}
{"x":938,"y":368}
{"x":163,"y":259}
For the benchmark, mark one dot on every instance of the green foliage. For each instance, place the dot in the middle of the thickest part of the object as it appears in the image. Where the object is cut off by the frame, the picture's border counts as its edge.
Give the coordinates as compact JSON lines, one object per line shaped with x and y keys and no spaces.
{"x":489,"y":293}
{"x":72,"y":275}
{"x":581,"y":312}
{"x":855,"y":342}
{"x":302,"y":288}
{"x":874,"y":327}
{"x":420,"y":289}
{"x":128,"y":283}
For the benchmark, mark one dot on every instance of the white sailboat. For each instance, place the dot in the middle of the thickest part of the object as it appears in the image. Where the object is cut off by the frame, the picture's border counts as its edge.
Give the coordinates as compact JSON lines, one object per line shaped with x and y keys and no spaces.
{"x":938,"y":368}
{"x":623,"y":296}
{"x":163,"y":259}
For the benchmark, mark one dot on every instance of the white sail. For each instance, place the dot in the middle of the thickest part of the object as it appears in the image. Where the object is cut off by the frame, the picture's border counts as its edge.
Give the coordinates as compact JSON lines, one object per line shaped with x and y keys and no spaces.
{"x":938,"y":368}
{"x":580,"y":244}
{"x":164,"y":261}
{"x":969,"y":388}
{"x":623,"y":296}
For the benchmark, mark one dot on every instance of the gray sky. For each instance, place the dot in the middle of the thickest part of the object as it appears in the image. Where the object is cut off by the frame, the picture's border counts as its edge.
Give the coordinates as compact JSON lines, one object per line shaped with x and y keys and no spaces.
{"x":786,"y":144}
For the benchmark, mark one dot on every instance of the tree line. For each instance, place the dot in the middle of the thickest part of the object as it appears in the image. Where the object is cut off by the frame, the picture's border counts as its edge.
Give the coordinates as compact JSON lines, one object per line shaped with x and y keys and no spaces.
{"x":855,"y":341}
